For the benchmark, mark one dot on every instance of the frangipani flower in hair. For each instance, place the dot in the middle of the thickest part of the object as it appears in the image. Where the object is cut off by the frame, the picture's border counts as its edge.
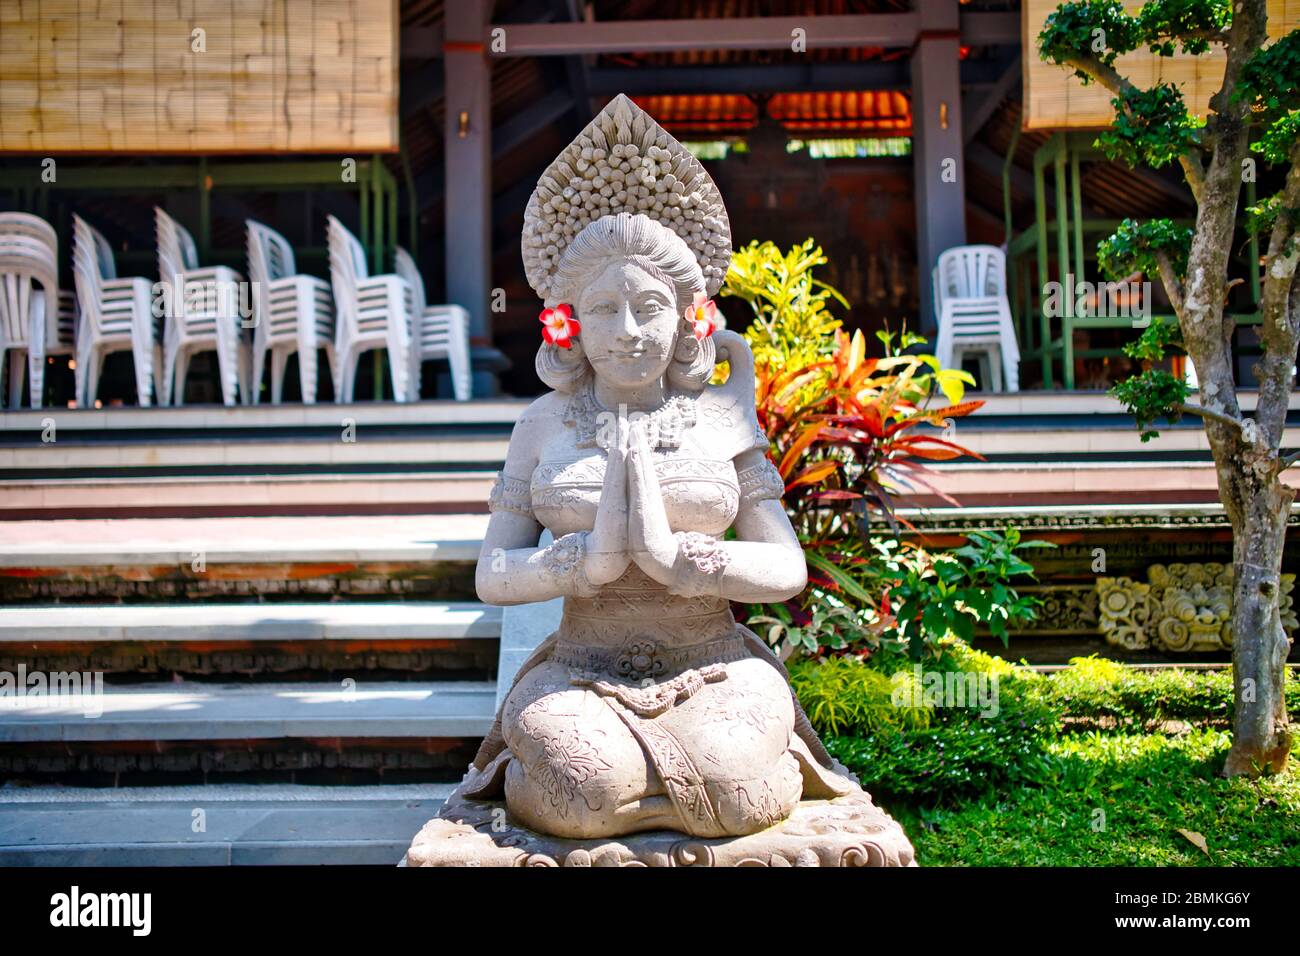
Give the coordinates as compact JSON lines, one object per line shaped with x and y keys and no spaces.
{"x":702,"y":315}
{"x":559,"y":326}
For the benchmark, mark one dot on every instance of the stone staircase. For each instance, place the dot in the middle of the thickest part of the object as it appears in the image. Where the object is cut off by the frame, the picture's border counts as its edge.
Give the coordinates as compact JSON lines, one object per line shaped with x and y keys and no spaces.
{"x":212,"y":825}
{"x":279,"y":602}
{"x":311,"y":687}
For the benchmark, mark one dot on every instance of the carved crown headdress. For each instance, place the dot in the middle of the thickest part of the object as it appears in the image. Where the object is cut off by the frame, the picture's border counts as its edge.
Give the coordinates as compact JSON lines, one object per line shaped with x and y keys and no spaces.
{"x":625,"y":162}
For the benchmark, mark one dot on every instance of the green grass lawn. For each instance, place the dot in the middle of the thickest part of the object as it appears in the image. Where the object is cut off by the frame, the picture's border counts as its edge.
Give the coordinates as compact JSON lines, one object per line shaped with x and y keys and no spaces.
{"x":1095,"y":765}
{"x":1120,"y":799}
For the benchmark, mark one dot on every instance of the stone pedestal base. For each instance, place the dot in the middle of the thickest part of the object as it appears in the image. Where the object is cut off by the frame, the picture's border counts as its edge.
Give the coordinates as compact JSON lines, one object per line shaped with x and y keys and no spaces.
{"x":846,"y":831}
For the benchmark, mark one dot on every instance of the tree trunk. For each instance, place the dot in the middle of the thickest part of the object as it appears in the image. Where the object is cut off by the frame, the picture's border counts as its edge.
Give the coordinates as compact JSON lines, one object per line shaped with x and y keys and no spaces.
{"x":1260,"y":738}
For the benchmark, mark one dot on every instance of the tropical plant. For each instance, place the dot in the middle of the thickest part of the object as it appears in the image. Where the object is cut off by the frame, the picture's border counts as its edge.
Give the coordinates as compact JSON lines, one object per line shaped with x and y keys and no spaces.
{"x":928,"y":598}
{"x":1256,"y":108}
{"x":792,"y":324}
{"x":850,"y":433}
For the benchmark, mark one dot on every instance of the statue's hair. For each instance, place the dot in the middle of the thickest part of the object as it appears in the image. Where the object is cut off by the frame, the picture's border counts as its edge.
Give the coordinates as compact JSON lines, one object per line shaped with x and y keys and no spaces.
{"x":661,"y":254}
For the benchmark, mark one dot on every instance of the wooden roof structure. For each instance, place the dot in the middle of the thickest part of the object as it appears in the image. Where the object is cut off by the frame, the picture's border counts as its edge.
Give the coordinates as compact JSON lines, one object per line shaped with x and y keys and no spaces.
{"x":711,"y":88}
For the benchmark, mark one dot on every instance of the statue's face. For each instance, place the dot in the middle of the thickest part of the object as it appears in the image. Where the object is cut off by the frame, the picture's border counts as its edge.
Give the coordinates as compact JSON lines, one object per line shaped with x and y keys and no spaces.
{"x":629,"y":324}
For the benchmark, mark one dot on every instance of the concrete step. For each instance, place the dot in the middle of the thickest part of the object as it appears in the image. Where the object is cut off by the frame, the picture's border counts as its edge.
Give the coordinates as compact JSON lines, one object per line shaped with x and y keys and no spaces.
{"x":193,"y":543}
{"x":242,"y":559}
{"x":322,"y":492}
{"x":197,"y":711}
{"x":213,"y":825}
{"x":265,"y":440}
{"x":416,"y":620}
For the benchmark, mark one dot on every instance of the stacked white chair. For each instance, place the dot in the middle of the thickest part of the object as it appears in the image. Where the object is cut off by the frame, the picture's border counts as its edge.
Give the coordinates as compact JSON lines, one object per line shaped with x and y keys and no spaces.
{"x":372,"y":312}
{"x":113,"y":315}
{"x":206,"y":318}
{"x":441,"y":331}
{"x":29,"y":301}
{"x":295,"y":313}
{"x":970,"y":298}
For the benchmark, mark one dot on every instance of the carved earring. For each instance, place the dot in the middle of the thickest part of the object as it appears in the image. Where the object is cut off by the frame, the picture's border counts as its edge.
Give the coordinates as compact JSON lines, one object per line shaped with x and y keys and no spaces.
{"x":688,"y":346}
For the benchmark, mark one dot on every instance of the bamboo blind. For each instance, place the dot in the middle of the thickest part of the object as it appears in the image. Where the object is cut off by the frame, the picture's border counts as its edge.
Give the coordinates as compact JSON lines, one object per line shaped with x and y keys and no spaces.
{"x":1055,"y":99}
{"x":123,"y":75}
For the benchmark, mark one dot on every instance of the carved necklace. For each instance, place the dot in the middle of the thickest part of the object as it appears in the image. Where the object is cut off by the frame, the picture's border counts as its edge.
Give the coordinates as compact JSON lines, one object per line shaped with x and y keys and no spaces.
{"x":598,"y":426}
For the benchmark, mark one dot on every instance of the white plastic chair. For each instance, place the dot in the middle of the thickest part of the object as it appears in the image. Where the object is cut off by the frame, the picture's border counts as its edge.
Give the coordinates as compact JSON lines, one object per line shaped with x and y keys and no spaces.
{"x":112,"y":315}
{"x":970,"y":298}
{"x":373,"y":312}
{"x":60,"y":324}
{"x":204,"y":315}
{"x":441,"y":331}
{"x":295,"y":313}
{"x":29,"y":282}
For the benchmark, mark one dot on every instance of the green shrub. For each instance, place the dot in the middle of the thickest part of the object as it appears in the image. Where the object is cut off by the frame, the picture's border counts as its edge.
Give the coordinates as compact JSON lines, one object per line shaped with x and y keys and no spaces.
{"x":1093,"y":689}
{"x":938,"y":755}
{"x":844,"y":695}
{"x":948,"y":761}
{"x":929,"y":753}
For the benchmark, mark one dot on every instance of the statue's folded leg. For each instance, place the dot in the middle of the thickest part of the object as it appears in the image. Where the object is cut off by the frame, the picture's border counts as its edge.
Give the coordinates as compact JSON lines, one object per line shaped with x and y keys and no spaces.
{"x":494,"y":742}
{"x":813,"y":748}
{"x":488,"y":783}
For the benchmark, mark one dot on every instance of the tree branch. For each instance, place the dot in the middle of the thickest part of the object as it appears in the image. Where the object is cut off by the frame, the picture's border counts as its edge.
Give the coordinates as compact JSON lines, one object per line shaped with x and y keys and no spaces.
{"x":1289,"y":460}
{"x":1281,"y":260}
{"x":1192,"y":165}
{"x":1193,"y":172}
{"x":1169,"y":279}
{"x":1220,"y":417}
{"x":1279,"y":323}
{"x":1107,"y":76}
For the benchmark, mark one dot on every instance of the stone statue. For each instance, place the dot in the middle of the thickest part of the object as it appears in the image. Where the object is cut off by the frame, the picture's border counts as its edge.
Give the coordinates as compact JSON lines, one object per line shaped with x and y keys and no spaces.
{"x":650,"y":728}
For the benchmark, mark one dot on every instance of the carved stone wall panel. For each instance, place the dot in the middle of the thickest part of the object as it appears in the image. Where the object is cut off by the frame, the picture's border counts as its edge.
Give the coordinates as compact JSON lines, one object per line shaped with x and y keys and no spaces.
{"x":1180,"y":608}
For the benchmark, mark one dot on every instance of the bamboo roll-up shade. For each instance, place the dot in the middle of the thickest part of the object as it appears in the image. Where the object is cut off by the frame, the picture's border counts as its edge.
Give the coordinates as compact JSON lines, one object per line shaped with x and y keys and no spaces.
{"x":264,"y":76}
{"x":1054,"y":98}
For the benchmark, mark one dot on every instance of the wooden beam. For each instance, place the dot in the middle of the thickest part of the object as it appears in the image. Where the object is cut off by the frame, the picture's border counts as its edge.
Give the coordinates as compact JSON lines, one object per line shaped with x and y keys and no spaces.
{"x":975,"y":115}
{"x":424,"y":41}
{"x":525,"y":124}
{"x":897,"y":30}
{"x":506,"y":136}
{"x":774,"y":78}
{"x":706,"y":33}
{"x":989,"y":162}
{"x":989,"y":29}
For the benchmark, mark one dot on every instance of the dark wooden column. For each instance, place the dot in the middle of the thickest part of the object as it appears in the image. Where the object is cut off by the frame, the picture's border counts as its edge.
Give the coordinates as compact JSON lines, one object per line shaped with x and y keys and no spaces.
{"x":468,"y":180}
{"x":937,"y":158}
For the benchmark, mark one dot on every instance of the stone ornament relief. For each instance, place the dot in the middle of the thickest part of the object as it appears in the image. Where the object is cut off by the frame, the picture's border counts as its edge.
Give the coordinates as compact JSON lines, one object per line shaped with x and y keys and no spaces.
{"x":1180,"y":608}
{"x":651,"y":729}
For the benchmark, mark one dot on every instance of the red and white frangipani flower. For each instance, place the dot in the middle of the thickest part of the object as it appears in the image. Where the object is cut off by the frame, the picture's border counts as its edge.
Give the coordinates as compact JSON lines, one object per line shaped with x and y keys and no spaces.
{"x":559,"y":326}
{"x":702,"y":314}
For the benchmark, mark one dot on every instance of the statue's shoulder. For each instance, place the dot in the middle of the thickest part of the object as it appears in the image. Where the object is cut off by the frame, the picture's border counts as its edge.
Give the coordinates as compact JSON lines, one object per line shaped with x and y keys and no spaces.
{"x":537,"y":425}
{"x":547,"y":409}
{"x":727,"y":424}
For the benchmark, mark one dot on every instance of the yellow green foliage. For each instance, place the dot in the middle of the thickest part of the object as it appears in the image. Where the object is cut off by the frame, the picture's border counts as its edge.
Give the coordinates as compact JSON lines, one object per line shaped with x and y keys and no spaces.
{"x":792,"y":323}
{"x":844,"y":695}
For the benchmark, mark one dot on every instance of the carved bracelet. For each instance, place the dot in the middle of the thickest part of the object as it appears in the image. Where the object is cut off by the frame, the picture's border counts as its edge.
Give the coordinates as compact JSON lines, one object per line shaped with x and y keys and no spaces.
{"x":565,"y":560}
{"x":701,"y":562}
